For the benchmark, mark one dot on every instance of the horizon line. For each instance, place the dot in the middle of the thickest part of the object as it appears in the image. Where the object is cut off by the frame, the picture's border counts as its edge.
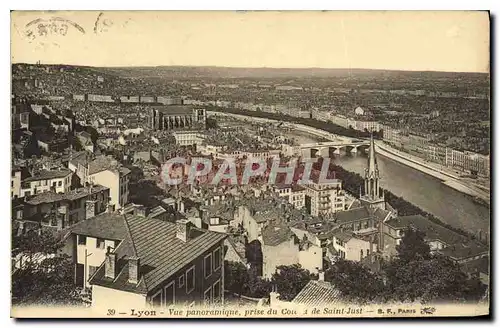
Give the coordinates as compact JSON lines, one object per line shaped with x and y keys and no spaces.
{"x":259,"y":67}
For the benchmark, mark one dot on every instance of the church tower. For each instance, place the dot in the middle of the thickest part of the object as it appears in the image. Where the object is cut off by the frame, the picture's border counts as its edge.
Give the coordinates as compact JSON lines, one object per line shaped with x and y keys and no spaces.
{"x":372,"y":196}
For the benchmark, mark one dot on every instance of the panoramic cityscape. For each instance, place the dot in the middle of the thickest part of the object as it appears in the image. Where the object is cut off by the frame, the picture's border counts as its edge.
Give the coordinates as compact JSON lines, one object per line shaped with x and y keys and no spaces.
{"x":196,"y":190}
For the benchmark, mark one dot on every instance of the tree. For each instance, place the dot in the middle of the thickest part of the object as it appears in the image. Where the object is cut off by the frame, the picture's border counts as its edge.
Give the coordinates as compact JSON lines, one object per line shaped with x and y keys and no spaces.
{"x":417,"y":275}
{"x":257,"y":286}
{"x":433,"y":279}
{"x":356,"y":282}
{"x":236,"y":277}
{"x":41,"y":273}
{"x":413,"y":246}
{"x":290,"y":280}
{"x":253,"y":253}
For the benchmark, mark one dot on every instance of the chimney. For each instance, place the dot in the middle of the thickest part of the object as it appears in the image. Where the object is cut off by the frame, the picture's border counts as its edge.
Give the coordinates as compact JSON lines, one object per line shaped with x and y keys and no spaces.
{"x":182,"y":229}
{"x":321,"y":275}
{"x":180,"y":206}
{"x":90,"y":208}
{"x":140,"y":210}
{"x":110,"y":264}
{"x":134,"y":264}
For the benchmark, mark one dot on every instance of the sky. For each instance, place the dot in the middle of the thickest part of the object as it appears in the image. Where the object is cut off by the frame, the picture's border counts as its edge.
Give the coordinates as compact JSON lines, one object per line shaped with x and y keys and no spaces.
{"x":454,"y":41}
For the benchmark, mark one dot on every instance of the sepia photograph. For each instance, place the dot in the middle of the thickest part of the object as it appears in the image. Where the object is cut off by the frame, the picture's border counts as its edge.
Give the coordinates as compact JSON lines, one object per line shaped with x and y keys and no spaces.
{"x":250,"y":164}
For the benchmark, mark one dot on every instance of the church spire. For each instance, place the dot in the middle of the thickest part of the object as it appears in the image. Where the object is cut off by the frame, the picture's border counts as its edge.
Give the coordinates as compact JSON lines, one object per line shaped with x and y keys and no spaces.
{"x":372,"y":160}
{"x":372,"y":196}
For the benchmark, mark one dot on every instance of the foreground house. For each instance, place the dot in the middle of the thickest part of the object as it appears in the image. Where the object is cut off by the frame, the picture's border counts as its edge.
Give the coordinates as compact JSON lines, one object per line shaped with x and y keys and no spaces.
{"x":131,"y":260}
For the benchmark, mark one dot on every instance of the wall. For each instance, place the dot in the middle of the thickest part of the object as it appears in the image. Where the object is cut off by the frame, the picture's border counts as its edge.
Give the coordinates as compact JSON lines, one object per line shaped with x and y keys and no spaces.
{"x":108,"y":298}
{"x":286,"y":253}
{"x":311,"y":259}
{"x":354,"y":246}
{"x":111,"y":180}
{"x":15,"y":187}
{"x":44,"y":185}
{"x":95,"y":256}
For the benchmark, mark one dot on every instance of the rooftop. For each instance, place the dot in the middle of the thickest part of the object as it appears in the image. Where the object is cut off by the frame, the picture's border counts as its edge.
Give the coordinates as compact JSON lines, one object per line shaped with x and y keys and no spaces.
{"x":317,"y":293}
{"x":274,"y":235}
{"x":154,"y":241}
{"x":103,"y":163}
{"x":433,"y":231}
{"x":343,"y":236}
{"x":50,"y":196}
{"x":352,"y":215}
{"x":463,"y":251}
{"x":47,"y":175}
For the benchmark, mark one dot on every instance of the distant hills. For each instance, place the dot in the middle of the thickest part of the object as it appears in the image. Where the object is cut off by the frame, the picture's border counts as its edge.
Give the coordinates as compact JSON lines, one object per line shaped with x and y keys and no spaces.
{"x":174,"y":72}
{"x":265,"y":72}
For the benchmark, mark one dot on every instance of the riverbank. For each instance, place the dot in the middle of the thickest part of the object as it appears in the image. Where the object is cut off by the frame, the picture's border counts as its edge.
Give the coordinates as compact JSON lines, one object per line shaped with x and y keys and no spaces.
{"x":449,"y":179}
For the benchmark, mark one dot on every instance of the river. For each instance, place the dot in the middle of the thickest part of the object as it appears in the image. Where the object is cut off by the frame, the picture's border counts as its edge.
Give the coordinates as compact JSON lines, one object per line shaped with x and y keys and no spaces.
{"x":426,"y":192}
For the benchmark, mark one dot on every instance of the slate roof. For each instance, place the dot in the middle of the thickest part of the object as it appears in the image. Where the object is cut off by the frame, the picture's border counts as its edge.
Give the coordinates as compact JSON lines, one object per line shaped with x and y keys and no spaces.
{"x":352,"y":215}
{"x":103,"y":163}
{"x":154,"y":241}
{"x":463,"y":251}
{"x":47,"y":175}
{"x":343,"y":236}
{"x":433,"y":231}
{"x":106,"y":225}
{"x":317,"y":293}
{"x":276,"y":234}
{"x":50,"y":196}
{"x":481,"y":265}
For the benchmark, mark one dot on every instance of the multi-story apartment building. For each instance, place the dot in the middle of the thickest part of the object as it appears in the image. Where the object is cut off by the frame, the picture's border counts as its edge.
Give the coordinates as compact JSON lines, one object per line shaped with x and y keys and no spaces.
{"x":324,"y":197}
{"x":351,"y":247}
{"x":280,"y":246}
{"x":295,"y":194}
{"x":366,"y":126}
{"x":188,"y":138}
{"x":132,"y":261}
{"x":61,"y":210}
{"x":104,"y":171}
{"x":468,"y":161}
{"x":58,"y":180}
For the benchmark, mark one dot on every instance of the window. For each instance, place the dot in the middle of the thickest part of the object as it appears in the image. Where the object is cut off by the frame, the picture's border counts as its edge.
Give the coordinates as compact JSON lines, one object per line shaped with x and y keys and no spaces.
{"x":216,"y":291}
{"x":217,"y":257}
{"x":170,"y":294}
{"x":12,"y":184}
{"x":207,"y":296}
{"x":190,"y":280}
{"x":361,"y":254}
{"x":181,"y":281}
{"x":100,"y":243}
{"x":59,"y":184}
{"x":156,"y":300}
{"x":208,"y":265}
{"x":82,"y":240}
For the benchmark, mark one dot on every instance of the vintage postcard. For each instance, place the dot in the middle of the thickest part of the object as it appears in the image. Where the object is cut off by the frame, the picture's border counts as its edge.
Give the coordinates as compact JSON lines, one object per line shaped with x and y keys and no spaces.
{"x":286,"y":164}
